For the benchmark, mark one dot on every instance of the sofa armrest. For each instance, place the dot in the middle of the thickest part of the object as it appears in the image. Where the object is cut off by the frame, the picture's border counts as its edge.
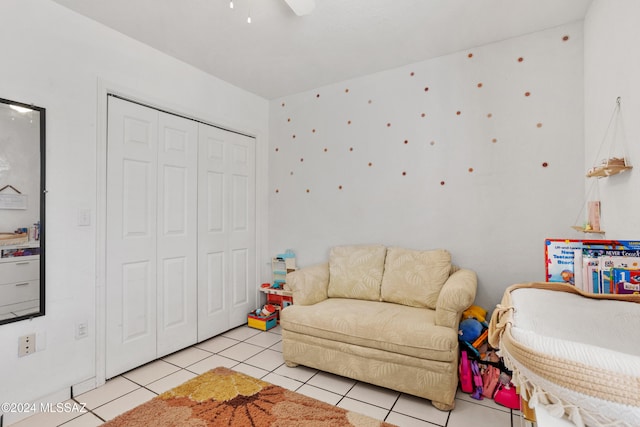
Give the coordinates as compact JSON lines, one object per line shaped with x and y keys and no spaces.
{"x":457,"y":294}
{"x":309,"y":285}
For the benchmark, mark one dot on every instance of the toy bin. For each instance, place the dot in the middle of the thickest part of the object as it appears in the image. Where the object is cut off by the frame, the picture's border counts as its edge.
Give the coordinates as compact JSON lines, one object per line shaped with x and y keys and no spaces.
{"x":261,"y":322}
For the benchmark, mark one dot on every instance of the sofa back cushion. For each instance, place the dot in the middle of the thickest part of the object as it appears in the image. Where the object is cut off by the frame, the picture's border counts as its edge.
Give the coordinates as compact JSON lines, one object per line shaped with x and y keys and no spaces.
{"x":356,"y":271}
{"x":414,"y":278}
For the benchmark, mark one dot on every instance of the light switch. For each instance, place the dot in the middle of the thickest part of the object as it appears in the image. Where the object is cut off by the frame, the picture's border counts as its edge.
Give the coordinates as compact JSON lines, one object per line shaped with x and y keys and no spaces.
{"x":84,"y":217}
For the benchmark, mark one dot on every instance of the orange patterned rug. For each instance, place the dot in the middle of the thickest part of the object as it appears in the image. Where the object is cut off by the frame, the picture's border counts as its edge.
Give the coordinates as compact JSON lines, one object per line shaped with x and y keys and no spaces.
{"x":222,"y":397}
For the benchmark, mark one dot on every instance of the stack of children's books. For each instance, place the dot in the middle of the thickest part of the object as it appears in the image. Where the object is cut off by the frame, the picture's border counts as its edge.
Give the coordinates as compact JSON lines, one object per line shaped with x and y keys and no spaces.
{"x":595,"y":266}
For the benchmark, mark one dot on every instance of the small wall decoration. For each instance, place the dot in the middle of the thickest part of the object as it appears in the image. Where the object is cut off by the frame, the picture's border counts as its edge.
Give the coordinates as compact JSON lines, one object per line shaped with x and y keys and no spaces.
{"x":12,"y":201}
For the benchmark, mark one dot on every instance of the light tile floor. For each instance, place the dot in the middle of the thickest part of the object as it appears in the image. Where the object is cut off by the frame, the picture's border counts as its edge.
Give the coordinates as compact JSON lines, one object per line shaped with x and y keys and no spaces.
{"x":259,"y":354}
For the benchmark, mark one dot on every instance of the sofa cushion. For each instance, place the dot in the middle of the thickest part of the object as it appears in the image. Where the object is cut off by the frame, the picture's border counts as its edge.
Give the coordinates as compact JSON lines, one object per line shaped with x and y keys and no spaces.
{"x":394,"y":328}
{"x":413,"y":277}
{"x":356,"y":271}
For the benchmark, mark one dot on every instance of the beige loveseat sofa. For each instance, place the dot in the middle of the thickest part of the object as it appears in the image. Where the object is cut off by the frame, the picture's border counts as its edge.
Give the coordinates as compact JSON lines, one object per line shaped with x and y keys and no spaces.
{"x":385,"y":316}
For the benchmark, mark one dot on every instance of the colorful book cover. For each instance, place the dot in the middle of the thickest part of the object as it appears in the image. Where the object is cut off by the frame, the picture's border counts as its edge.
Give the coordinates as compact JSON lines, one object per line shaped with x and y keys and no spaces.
{"x":626,"y":281}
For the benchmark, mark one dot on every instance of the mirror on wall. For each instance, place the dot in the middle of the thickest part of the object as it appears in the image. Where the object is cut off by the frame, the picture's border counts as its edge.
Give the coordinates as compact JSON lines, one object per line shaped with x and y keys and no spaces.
{"x":22,"y":200}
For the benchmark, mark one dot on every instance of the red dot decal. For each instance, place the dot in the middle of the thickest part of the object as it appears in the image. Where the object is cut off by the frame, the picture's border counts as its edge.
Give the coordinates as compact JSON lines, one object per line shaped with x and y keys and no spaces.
{"x":489,"y":115}
{"x":404,"y":174}
{"x":346,"y":90}
{"x":313,"y":131}
{"x":277,"y":191}
{"x":326,"y":149}
{"x":565,"y":38}
{"x":301,"y":159}
{"x":406,"y":141}
{"x":317,"y":95}
{"x":470,"y":169}
{"x":277,"y":149}
{"x":308,"y":191}
{"x":494,"y":140}
{"x":441,"y":182}
{"x":423,"y":115}
{"x":370,"y":164}
{"x":283,"y":104}
{"x":388,"y":125}
{"x":350,"y":148}
{"x":426,"y":89}
{"x":539,"y":125}
{"x":412,"y":74}
{"x":339,"y":187}
{"x":458,"y":113}
{"x":349,"y":122}
{"x":545,"y":164}
{"x":470,"y":55}
{"x":527,"y":94}
{"x":520,"y":59}
{"x":289,"y":119}
{"x":479,"y":85}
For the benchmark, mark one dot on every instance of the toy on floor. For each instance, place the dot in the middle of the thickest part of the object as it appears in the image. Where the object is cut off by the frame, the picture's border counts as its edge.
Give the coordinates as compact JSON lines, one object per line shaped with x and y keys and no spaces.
{"x":266,"y":311}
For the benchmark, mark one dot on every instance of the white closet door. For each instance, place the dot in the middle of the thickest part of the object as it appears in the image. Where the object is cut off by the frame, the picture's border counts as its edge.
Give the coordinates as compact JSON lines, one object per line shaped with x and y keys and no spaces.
{"x":131,"y":236}
{"x":227,"y":237}
{"x":177,"y":233}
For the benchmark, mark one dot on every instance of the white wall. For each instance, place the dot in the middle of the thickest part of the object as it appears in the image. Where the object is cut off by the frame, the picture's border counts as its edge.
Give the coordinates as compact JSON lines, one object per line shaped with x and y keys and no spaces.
{"x":497,"y":202}
{"x":612,"y":67}
{"x":55,"y":58}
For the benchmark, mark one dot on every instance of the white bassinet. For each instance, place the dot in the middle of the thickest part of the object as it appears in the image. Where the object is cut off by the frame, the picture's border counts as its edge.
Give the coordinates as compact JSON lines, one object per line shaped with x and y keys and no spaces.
{"x":573,"y":355}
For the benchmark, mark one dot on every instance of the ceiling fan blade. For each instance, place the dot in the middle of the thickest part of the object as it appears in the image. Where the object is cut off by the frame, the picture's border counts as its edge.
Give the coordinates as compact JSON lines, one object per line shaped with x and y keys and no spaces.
{"x":301,"y":7}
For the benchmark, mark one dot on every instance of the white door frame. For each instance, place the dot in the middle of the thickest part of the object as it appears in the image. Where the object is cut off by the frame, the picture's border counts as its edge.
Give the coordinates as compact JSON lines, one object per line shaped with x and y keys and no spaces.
{"x":104,"y":89}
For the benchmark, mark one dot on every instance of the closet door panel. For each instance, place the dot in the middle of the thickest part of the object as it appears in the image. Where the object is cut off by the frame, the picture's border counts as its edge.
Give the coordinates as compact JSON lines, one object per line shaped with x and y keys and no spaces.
{"x":177,"y":233}
{"x":242,"y":233}
{"x":131,"y":239}
{"x":213,"y":218}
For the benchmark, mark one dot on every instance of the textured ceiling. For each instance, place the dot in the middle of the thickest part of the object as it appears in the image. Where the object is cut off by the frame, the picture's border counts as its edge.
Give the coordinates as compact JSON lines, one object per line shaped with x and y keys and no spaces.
{"x":281,"y":53}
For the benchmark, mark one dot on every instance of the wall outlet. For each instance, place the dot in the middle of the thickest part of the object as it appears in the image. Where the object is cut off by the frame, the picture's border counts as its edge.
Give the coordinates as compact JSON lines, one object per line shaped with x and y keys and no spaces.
{"x":82,"y":330}
{"x":26,"y":344}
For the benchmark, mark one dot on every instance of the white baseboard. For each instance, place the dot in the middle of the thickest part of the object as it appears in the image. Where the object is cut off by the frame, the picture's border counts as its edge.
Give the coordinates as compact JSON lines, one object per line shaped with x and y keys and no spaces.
{"x":56,"y":397}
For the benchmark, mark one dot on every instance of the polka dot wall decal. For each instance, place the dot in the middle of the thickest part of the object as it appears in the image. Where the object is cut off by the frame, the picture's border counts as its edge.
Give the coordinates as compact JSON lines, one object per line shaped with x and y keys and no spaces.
{"x":406,"y":141}
{"x":346,"y":90}
{"x":291,"y":173}
{"x":350,"y":148}
{"x":470,"y":170}
{"x":527,"y":94}
{"x":308,"y":191}
{"x":470,"y":55}
{"x":458,"y":113}
{"x":348,"y":122}
{"x":317,"y":95}
{"x":426,"y":89}
{"x":423,"y":115}
{"x":489,"y":115}
{"x":539,"y":125}
{"x":388,"y":125}
{"x":565,"y":38}
{"x":432,"y":143}
{"x":479,"y":85}
{"x":293,"y":136}
{"x":404,"y":173}
{"x":283,"y":104}
{"x":277,"y":191}
{"x":412,"y":74}
{"x":326,"y":149}
{"x":494,"y":140}
{"x":339,"y":187}
{"x":302,"y":159}
{"x":545,"y":164}
{"x":277,"y":149}
{"x":441,"y":182}
{"x":289,"y":119}
{"x":370,"y":164}
{"x":370,"y":101}
{"x":313,"y":131}
{"x":520,"y":59}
